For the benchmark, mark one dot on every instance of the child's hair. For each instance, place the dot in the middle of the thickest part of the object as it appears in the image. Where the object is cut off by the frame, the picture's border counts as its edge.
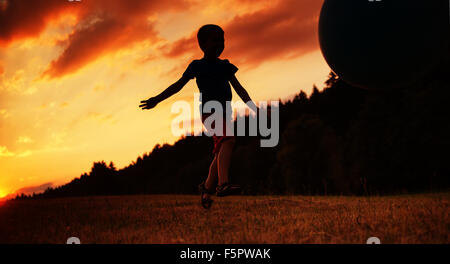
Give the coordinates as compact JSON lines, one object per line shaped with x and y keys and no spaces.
{"x":205,"y":31}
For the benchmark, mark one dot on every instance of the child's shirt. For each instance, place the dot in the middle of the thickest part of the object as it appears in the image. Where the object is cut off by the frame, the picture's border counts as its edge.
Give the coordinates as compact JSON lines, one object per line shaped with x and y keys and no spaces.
{"x":212,"y":76}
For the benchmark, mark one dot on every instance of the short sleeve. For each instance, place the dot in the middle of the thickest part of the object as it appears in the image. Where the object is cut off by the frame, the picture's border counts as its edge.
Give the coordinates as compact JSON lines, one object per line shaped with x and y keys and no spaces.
{"x":190,"y":72}
{"x":231,"y":69}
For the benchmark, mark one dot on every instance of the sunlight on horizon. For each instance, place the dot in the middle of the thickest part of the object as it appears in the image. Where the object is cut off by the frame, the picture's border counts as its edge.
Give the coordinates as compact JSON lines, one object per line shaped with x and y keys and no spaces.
{"x":3,"y":193}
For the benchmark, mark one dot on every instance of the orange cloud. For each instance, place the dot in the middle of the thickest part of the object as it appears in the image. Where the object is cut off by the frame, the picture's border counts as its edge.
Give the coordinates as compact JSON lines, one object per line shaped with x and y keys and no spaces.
{"x":21,"y":19}
{"x":108,"y":26}
{"x":1,"y":70}
{"x":286,"y":30}
{"x":104,"y":26}
{"x":99,"y":38}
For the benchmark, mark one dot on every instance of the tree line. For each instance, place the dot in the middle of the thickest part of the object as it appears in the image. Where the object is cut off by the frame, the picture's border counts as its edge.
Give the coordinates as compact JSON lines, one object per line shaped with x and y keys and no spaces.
{"x":341,"y":140}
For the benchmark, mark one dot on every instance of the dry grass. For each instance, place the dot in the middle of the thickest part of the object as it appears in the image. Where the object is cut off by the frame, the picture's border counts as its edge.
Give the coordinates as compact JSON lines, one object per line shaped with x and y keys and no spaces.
{"x":249,"y":219}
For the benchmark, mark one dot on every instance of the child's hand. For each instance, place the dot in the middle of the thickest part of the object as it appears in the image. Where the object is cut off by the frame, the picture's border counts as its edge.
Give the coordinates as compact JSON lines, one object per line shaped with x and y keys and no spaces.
{"x":149,"y":103}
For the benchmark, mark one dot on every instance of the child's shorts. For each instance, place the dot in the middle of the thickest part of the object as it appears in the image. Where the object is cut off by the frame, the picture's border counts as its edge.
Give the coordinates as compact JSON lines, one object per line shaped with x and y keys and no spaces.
{"x":218,"y":140}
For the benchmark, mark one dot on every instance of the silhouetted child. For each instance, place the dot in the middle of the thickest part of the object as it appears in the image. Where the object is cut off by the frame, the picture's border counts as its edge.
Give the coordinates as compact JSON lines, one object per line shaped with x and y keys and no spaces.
{"x":213,"y":77}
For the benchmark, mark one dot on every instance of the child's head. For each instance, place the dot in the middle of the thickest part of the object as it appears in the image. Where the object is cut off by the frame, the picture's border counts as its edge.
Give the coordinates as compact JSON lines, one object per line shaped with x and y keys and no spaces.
{"x":211,"y":40}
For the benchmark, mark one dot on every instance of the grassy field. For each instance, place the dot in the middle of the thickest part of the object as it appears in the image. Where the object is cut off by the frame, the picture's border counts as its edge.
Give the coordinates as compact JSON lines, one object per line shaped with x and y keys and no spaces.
{"x":241,"y":219}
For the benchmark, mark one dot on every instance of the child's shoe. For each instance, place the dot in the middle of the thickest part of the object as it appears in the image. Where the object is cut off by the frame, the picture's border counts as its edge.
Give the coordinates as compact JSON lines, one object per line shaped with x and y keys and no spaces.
{"x":227,"y":189}
{"x":206,"y":201}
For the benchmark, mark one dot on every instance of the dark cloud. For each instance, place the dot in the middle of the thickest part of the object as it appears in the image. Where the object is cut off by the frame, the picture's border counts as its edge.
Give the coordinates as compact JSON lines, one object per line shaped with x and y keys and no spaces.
{"x":99,"y":38}
{"x":104,"y":26}
{"x":108,"y":26}
{"x":286,"y":30}
{"x":23,"y":18}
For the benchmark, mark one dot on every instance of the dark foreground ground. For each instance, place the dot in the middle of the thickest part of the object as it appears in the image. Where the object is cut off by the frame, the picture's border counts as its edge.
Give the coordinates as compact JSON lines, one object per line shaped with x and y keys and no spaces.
{"x":241,"y":219}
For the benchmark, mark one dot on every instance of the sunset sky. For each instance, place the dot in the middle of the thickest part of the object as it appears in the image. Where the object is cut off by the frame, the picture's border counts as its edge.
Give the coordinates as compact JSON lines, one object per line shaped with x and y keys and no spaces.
{"x":72,"y":74}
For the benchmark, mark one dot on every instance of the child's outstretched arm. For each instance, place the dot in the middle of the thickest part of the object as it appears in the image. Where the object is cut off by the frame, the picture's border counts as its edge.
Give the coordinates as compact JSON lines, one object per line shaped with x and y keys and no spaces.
{"x":171,"y":90}
{"x":243,"y":94}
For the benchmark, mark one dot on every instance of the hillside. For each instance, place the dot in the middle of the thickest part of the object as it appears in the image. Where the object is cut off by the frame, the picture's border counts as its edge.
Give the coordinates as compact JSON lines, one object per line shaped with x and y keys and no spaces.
{"x":338,"y":140}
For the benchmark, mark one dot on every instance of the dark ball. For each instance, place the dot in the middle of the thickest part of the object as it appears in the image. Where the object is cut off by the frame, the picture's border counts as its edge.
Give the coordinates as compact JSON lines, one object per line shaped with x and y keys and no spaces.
{"x":385,"y":44}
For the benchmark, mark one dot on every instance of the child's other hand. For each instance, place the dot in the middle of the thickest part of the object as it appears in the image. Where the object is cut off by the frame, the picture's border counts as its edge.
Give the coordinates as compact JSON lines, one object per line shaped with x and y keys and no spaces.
{"x":149,"y":103}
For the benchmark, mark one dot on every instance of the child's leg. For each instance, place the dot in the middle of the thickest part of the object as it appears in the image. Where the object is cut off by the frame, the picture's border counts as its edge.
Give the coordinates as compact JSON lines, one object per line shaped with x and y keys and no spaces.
{"x":207,"y":188}
{"x":211,"y":181}
{"x":224,"y":159}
